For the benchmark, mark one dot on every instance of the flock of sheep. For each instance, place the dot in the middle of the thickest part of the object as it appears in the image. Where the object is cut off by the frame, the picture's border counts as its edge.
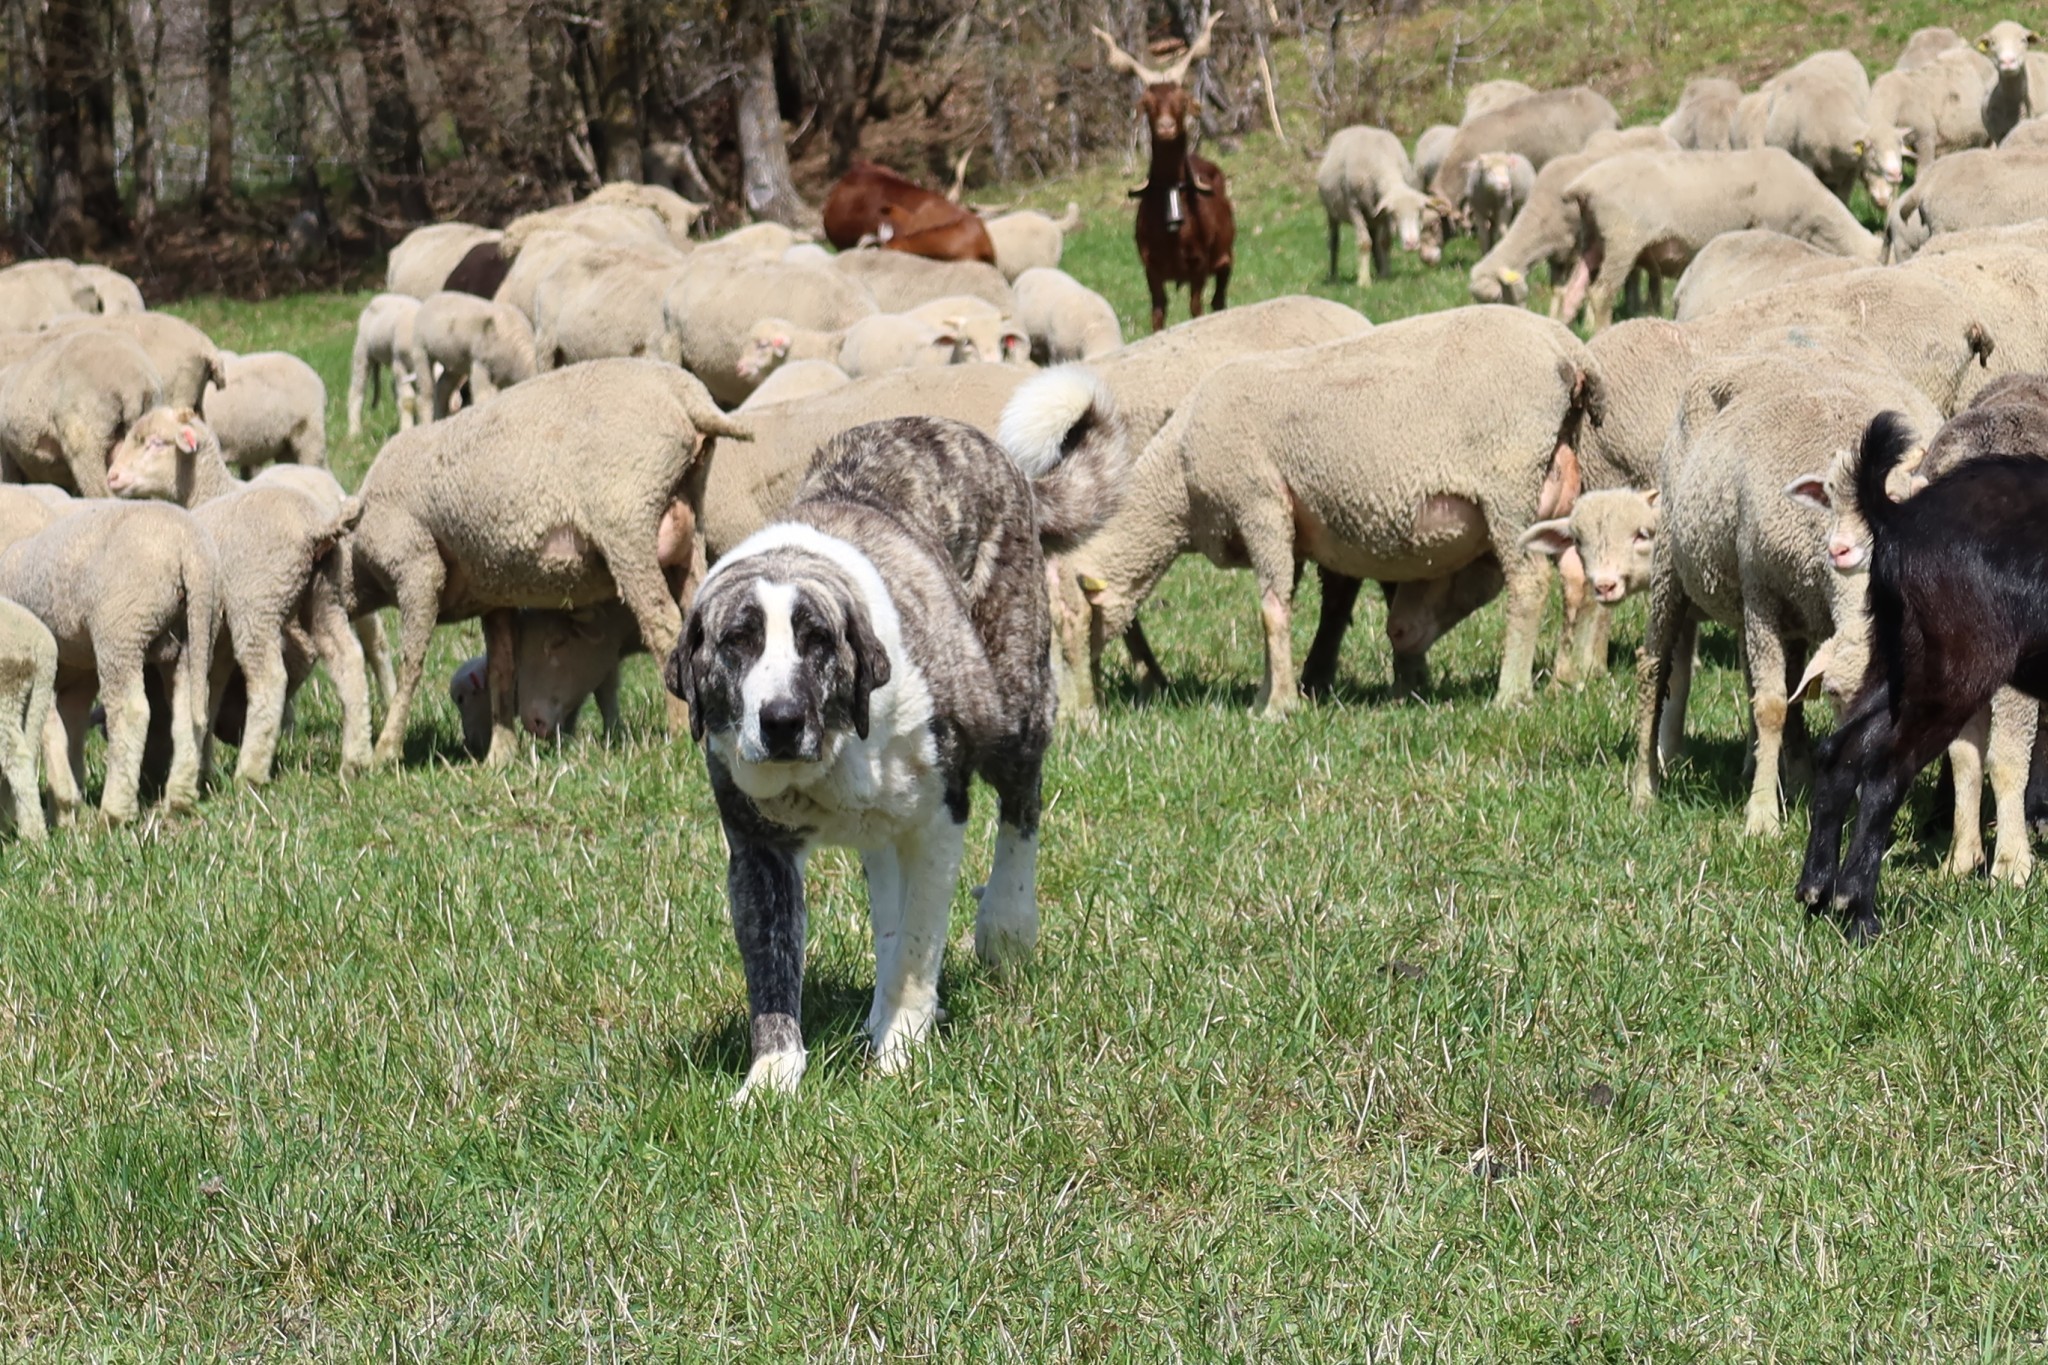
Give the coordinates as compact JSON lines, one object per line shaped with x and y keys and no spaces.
{"x":594,"y":405}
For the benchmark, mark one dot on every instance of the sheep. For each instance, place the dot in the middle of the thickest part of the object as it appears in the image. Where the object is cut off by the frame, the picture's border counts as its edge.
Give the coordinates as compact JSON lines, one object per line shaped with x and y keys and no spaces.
{"x":806,"y":253}
{"x":1540,"y":127}
{"x":384,"y":337}
{"x":1704,"y":120}
{"x":537,"y":254}
{"x":62,"y":410}
{"x":420,"y":264}
{"x":566,"y":490}
{"x":1924,"y":114}
{"x":1064,"y":318}
{"x":599,"y":224}
{"x":1029,"y":240}
{"x":893,"y":341}
{"x":1547,"y":228}
{"x":677,"y":214}
{"x":27,"y":508}
{"x":1732,"y":548}
{"x":797,"y":379}
{"x":899,"y":282}
{"x":185,"y":357}
{"x":2009,"y":97}
{"x":1495,"y":192}
{"x":1431,"y":146}
{"x":273,"y":408}
{"x":1365,"y":180}
{"x":1816,"y":112}
{"x":2006,"y":289}
{"x":1488,"y":96}
{"x":564,"y":658}
{"x":281,"y":568}
{"x":122,"y":587}
{"x":2030,"y":134}
{"x":984,"y":331}
{"x":488,"y":345}
{"x":1983,"y":188}
{"x":28,"y":680}
{"x":1657,"y":209}
{"x":1956,"y":594}
{"x":708,"y":313}
{"x":1265,"y":461}
{"x":1735,"y":265}
{"x":117,"y":293}
{"x":1927,"y":45}
{"x":33,"y":293}
{"x":756,"y":242}
{"x":604,"y":302}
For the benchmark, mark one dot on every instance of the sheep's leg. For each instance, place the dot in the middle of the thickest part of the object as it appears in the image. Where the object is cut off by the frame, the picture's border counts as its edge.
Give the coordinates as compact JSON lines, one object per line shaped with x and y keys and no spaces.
{"x":1966,"y":766}
{"x":1656,"y":294}
{"x":18,"y":771}
{"x":1147,"y":671}
{"x":1571,"y":572}
{"x":1072,"y":669}
{"x":369,"y":629}
{"x":63,"y":740}
{"x":190,"y":694}
{"x":1340,"y":599}
{"x":1335,"y":234}
{"x":2037,"y":782}
{"x":2015,"y":719}
{"x":1371,"y":246}
{"x":127,"y":706}
{"x":1195,"y":287}
{"x":644,"y":590}
{"x":501,"y":673}
{"x":482,"y":388}
{"x":1678,"y":692}
{"x":444,"y":392}
{"x":1269,"y":541}
{"x":1610,"y":264}
{"x":1661,"y":635}
{"x":1764,"y":648}
{"x":21,"y":761}
{"x":1528,"y":585}
{"x":405,"y":394}
{"x":341,"y":650}
{"x":418,"y":590}
{"x":359,"y":379}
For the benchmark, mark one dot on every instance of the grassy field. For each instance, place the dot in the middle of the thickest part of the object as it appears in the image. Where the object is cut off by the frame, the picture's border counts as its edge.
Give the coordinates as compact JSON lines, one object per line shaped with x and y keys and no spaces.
{"x":1388,"y":1033}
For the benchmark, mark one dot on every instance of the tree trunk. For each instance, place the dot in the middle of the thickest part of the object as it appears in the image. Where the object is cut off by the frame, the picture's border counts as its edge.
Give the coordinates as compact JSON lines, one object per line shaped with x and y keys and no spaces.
{"x":764,"y":158}
{"x":96,"y":128}
{"x":66,"y":67}
{"x":142,"y":137}
{"x":397,"y":165}
{"x":220,"y":106}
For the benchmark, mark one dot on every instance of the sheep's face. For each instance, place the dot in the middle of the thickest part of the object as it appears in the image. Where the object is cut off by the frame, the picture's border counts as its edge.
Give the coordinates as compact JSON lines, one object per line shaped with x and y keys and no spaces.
{"x":1497,"y":173}
{"x":1167,"y":109}
{"x":2006,"y":44}
{"x":1883,"y":153}
{"x":1833,"y":492}
{"x":1614,"y":531}
{"x":765,"y":348}
{"x":154,"y":459}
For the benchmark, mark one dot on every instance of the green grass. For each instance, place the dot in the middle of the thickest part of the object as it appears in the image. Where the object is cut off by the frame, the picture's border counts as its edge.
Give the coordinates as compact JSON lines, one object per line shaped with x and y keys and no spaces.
{"x":1388,"y":1033}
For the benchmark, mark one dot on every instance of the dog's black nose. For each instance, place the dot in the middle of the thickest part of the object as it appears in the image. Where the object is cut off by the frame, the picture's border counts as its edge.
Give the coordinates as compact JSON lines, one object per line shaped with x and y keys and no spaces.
{"x":782,"y":728}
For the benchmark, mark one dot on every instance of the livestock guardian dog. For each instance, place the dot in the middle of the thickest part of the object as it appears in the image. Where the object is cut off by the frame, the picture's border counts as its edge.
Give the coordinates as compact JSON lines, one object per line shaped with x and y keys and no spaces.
{"x":851,"y":667}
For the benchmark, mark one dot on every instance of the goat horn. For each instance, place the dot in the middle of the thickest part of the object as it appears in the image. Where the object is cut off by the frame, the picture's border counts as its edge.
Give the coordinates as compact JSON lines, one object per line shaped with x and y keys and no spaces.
{"x":1175,"y":74}
{"x":1120,"y":60}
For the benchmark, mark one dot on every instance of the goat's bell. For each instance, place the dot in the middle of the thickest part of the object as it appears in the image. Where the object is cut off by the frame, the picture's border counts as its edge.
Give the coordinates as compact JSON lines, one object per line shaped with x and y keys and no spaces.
{"x":1174,"y":216}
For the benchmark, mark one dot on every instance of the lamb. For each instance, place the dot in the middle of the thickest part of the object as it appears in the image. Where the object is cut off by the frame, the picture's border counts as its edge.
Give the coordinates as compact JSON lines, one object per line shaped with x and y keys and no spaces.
{"x":1547,"y":228}
{"x":708,"y":314}
{"x":1956,"y":597}
{"x":874,"y":345}
{"x":1704,"y":120}
{"x":281,"y":568}
{"x":184,"y":356}
{"x":1029,"y":240}
{"x":62,"y":409}
{"x":677,"y":214}
{"x":984,"y":331}
{"x":123,"y":587}
{"x":1495,"y":192}
{"x":1924,"y":114}
{"x":384,"y":337}
{"x":27,"y":508}
{"x":1365,"y":179}
{"x":899,"y":282}
{"x":33,"y":293}
{"x":489,"y":345}
{"x":1488,"y":96}
{"x":1263,"y":462}
{"x":1657,"y":209}
{"x":28,"y":680}
{"x":564,"y":491}
{"x":2009,"y":97}
{"x":601,"y":303}
{"x":564,"y":658}
{"x":1540,"y":127}
{"x":1064,"y":318}
{"x":1735,"y":265}
{"x":795,"y":380}
{"x":117,"y":293}
{"x":1431,"y":147}
{"x":1816,"y":112}
{"x":420,"y":264}
{"x":273,"y":408}
{"x":1733,"y":548}
{"x":1975,"y":189}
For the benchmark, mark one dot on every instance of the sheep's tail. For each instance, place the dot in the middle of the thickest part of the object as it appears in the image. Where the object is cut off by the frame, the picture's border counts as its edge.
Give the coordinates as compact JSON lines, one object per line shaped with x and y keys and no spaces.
{"x":703,"y":412}
{"x":1062,"y":430}
{"x":1070,"y":221}
{"x":1886,"y":442}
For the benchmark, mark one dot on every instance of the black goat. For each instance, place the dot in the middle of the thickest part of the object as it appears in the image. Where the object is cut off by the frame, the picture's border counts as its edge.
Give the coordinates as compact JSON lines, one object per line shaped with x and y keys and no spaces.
{"x":1958,"y":609}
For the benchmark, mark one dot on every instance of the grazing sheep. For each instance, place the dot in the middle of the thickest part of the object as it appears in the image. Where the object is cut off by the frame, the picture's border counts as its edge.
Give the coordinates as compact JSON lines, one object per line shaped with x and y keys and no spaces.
{"x":1926,"y":45}
{"x":1735,"y":265}
{"x":1065,"y":319}
{"x":1657,"y":209}
{"x":564,"y":491}
{"x":1984,"y":188}
{"x":1488,"y":96}
{"x":1540,"y":127}
{"x":1704,"y":120}
{"x":1265,"y":462}
{"x":273,"y":408}
{"x":1547,"y":228}
{"x":622,"y":225}
{"x":535,"y":256}
{"x":184,"y":356}
{"x":797,"y":379}
{"x":1923,"y":114}
{"x":709,"y":314}
{"x":34,"y":293}
{"x":894,"y":341}
{"x":1029,"y":240}
{"x":2006,"y":289}
{"x":565,"y":657}
{"x":62,"y":410}
{"x":420,"y":264}
{"x":123,"y":587}
{"x":756,"y":242}
{"x":281,"y":569}
{"x":1816,"y":113}
{"x":384,"y":337}
{"x":2009,"y":98}
{"x":2032,"y":236}
{"x":27,"y":508}
{"x":117,"y":293}
{"x":486,"y":344}
{"x":1732,"y":548}
{"x":1431,"y":147}
{"x":806,"y":253}
{"x":601,"y":303}
{"x":899,"y":282}
{"x":28,"y":680}
{"x":1365,"y":180}
{"x":1495,"y":192}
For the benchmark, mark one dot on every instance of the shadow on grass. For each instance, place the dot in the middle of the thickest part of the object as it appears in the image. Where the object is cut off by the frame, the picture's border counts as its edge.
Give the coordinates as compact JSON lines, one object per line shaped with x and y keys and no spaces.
{"x":835,"y":1026}
{"x":1188,"y":690}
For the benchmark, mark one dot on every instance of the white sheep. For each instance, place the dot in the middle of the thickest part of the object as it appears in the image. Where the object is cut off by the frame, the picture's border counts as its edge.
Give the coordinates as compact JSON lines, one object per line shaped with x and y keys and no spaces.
{"x":565,"y":658}
{"x":1487,"y":96}
{"x":1988,"y":187}
{"x":464,"y":338}
{"x":1922,"y":114}
{"x":1551,"y":124}
{"x":1735,"y":265}
{"x":384,"y":337}
{"x":1431,"y":145}
{"x":794,"y":380}
{"x":986,"y":332}
{"x":899,"y":281}
{"x":1365,"y":179}
{"x":184,"y":356}
{"x":1030,"y":240}
{"x":1547,"y":228}
{"x":33,"y":293}
{"x":117,"y":293}
{"x":418,"y":266}
{"x":602,"y":303}
{"x":677,"y":214}
{"x":124,"y":587}
{"x":281,"y":558}
{"x":62,"y":409}
{"x":1927,"y":45}
{"x":710,"y":311}
{"x":1065,"y":319}
{"x":1816,"y":111}
{"x":2016,"y":73}
{"x":1495,"y":191}
{"x":2027,"y":135}
{"x":274,"y":408}
{"x":624,"y":225}
{"x":28,"y":680}
{"x":27,"y":508}
{"x":1704,"y":120}
{"x":806,"y":253}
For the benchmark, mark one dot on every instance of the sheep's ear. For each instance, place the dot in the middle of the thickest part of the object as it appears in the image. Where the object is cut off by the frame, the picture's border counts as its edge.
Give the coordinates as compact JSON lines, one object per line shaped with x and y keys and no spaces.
{"x":1810,"y":490}
{"x":1860,"y":147}
{"x":1551,"y":538}
{"x":1510,"y":277}
{"x":188,"y":439}
{"x":1823,"y":660}
{"x":1652,"y":496}
{"x":1984,"y":43}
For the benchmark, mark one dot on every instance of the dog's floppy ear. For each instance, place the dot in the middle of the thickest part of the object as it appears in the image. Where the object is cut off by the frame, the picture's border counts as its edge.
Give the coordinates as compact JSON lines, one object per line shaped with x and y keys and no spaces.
{"x":679,"y":674}
{"x":870,"y":662}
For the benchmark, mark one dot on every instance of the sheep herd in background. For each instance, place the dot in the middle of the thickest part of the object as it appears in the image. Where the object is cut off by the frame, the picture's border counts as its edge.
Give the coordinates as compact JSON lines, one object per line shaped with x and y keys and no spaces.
{"x":595,"y":404}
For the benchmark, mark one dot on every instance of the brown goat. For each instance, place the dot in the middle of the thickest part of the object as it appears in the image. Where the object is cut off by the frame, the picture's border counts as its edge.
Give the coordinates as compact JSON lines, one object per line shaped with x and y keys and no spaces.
{"x":1186,"y":229}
